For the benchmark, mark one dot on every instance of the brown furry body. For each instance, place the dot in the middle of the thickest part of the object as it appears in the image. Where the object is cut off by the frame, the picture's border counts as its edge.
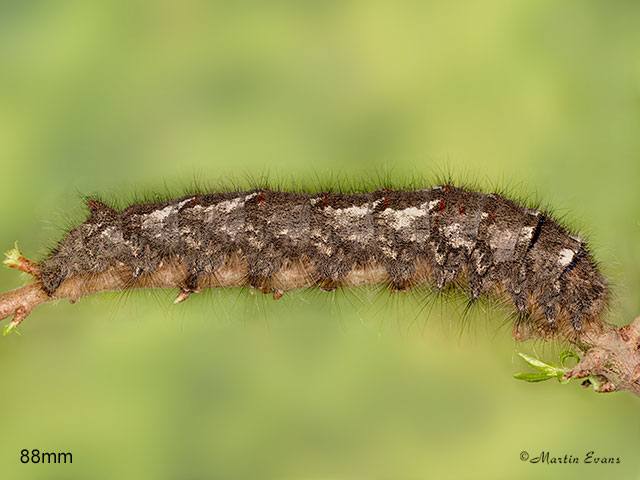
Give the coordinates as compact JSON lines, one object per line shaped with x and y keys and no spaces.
{"x":277,"y":241}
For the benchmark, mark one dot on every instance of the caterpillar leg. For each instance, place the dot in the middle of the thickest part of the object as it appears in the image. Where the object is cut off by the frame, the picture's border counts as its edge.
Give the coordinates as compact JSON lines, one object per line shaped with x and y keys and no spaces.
{"x":182,"y":296}
{"x":191,"y":285}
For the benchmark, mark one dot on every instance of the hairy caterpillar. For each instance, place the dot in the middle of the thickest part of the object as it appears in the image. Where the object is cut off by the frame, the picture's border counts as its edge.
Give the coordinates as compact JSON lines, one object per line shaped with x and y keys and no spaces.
{"x":277,"y":241}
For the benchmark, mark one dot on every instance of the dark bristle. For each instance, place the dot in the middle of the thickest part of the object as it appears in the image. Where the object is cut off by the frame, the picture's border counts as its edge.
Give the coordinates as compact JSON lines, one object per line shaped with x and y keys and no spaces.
{"x":536,"y":232}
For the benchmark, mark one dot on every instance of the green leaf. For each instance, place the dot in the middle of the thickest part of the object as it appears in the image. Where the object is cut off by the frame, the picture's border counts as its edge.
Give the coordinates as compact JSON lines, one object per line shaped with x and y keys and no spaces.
{"x":13,"y":256}
{"x":551,"y":370}
{"x":567,"y":354}
{"x":9,"y":328}
{"x":533,"y":377}
{"x":539,"y":364}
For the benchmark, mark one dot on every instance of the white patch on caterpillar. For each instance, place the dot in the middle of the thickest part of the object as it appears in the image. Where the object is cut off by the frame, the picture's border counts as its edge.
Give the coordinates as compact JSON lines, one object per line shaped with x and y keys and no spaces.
{"x":502,"y":242}
{"x":401,"y":219}
{"x":155,"y":219}
{"x":158,"y":216}
{"x":527,"y":232}
{"x":433,"y":204}
{"x":113,"y":234}
{"x":352,"y":218}
{"x":389,"y":253}
{"x":355,"y":211}
{"x":225,"y":207}
{"x":565,"y":257}
{"x":456,"y":238}
{"x":348,"y":216}
{"x":228,"y":205}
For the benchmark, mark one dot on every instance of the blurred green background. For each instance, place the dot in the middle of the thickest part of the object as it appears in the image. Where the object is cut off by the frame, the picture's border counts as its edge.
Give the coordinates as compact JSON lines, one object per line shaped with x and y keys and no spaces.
{"x":120,"y":97}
